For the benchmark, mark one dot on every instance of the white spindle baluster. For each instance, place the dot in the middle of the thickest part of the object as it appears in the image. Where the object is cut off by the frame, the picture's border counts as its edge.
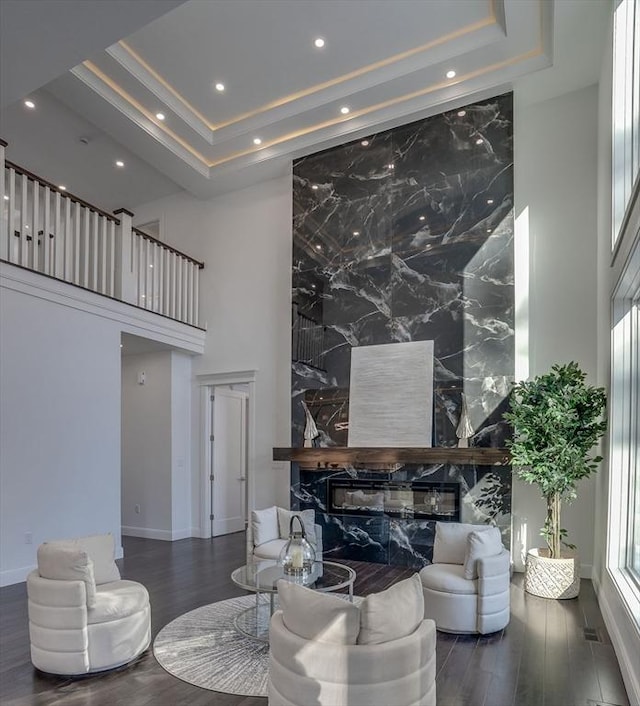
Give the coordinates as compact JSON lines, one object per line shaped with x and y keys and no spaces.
{"x":161,"y":282}
{"x":68,"y":242}
{"x":5,"y":205}
{"x":35,"y":226}
{"x":102,"y":257}
{"x":13,"y":241}
{"x":189,"y":292}
{"x":172,"y":285}
{"x":185,"y":289}
{"x":46,"y":230}
{"x":57,"y":243}
{"x":95,"y":251}
{"x":196,"y":296}
{"x":76,"y":244}
{"x":178,"y":288}
{"x":111,"y":291}
{"x":152,"y":276}
{"x":24,"y":204}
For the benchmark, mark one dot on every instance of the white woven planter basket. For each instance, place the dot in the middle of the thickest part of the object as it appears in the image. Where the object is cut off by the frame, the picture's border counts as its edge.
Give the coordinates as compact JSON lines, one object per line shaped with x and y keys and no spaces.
{"x":551,"y":578}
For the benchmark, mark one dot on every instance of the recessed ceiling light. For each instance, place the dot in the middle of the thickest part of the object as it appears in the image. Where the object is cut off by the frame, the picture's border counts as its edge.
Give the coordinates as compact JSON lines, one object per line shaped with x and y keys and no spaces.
{"x":30,"y":104}
{"x":220,"y":87}
{"x":391,"y":166}
{"x":119,"y":163}
{"x":318,"y":43}
{"x":365,"y":143}
{"x":318,"y":247}
{"x":6,"y":198}
{"x":479,"y":141}
{"x":462,"y":113}
{"x":356,"y":232}
{"x":151,"y":266}
{"x":62,"y":187}
{"x":344,"y":110}
{"x":121,"y":346}
{"x":314,"y":187}
{"x":160,"y":116}
{"x":451,"y":74}
{"x":489,"y":230}
{"x":257,"y":141}
{"x":422,"y":218}
{"x":489,"y":201}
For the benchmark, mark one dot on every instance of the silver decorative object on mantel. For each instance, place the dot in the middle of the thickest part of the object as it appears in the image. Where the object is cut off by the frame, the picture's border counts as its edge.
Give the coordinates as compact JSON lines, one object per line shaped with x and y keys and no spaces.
{"x":310,"y":429}
{"x":464,"y":429}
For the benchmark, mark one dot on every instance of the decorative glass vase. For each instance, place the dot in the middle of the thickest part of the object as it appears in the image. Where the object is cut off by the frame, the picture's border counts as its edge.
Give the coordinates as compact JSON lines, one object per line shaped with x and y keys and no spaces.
{"x":297,"y":555}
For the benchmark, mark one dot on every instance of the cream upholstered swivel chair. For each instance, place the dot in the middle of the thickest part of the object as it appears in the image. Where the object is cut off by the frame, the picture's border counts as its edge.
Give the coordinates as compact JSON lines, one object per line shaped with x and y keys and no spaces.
{"x":325,"y":651}
{"x":268,"y":532}
{"x":466,"y":588}
{"x":82,"y":616}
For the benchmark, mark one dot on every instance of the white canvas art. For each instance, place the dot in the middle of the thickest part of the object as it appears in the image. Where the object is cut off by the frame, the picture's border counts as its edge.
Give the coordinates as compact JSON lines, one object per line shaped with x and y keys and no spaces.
{"x":391,"y":395}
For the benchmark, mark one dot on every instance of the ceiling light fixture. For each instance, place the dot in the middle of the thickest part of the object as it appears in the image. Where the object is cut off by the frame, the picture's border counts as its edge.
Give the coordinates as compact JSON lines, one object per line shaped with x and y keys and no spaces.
{"x":391,"y":166}
{"x":318,"y":43}
{"x":489,"y":201}
{"x":318,"y":247}
{"x":257,"y":141}
{"x":62,"y":187}
{"x":219,"y":87}
{"x":422,"y":218}
{"x":356,"y":232}
{"x":479,"y":141}
{"x":344,"y":110}
{"x":119,"y":163}
{"x":160,"y":116}
{"x":365,"y":143}
{"x":462,"y":113}
{"x":30,"y":104}
{"x":6,"y":198}
{"x":451,"y":74}
{"x":314,"y":187}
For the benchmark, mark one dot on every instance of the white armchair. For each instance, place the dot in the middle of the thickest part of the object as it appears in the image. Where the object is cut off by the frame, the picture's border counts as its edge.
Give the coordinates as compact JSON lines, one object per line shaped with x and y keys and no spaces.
{"x":325,"y":651}
{"x":82,"y":616}
{"x":268,"y":532}
{"x":466,"y":588}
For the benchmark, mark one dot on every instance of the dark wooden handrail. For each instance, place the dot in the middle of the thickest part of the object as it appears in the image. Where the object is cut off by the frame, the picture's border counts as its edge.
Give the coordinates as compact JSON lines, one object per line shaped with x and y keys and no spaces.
{"x":65,"y":194}
{"x":146,"y":236}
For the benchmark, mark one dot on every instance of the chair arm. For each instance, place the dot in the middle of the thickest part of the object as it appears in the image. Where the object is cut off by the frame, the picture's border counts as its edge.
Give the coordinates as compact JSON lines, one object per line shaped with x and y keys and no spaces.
{"x":54,"y":593}
{"x":494,"y":573}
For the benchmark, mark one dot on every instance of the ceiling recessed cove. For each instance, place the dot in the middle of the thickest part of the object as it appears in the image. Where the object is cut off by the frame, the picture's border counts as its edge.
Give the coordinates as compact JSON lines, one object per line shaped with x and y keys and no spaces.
{"x":388,"y":59}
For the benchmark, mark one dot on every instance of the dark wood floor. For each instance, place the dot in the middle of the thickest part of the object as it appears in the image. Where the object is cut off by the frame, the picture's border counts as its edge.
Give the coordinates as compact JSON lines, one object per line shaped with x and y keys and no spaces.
{"x":541,"y":659}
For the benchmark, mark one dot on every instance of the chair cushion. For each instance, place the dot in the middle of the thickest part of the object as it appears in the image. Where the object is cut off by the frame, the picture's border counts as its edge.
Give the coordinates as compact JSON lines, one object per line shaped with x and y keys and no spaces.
{"x":270,"y":550}
{"x":63,"y":562}
{"x":116,"y":600}
{"x":393,"y":613}
{"x":450,"y":545}
{"x":317,"y":616}
{"x":479,"y":546}
{"x":264,"y":525}
{"x":448,"y":578}
{"x":308,"y":518}
{"x":101,"y":548}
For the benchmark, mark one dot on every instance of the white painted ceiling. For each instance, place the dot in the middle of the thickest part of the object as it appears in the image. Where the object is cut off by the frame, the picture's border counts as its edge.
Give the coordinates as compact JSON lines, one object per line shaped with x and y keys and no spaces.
{"x":385,"y":60}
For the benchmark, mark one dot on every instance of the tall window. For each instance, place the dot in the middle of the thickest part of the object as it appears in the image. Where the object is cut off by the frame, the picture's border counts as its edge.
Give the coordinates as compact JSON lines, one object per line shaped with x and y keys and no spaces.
{"x":624,"y":503}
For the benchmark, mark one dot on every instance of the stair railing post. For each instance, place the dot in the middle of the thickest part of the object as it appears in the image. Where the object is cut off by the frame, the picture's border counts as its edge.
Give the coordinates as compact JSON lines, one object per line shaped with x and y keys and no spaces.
{"x":126,"y":285}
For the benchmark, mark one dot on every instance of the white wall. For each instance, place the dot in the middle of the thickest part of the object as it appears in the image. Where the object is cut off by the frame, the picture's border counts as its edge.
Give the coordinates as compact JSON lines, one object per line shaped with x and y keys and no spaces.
{"x":59,"y":427}
{"x":146,"y":445}
{"x":555,"y":153}
{"x":156,"y":445}
{"x":245,"y":240}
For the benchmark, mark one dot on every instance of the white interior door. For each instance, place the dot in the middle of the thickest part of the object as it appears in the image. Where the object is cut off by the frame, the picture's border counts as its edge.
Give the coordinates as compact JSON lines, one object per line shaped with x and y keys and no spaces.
{"x":229,"y":461}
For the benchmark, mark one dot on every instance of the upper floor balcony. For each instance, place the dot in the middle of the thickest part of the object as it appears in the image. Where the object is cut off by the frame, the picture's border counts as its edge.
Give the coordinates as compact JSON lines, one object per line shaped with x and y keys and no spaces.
{"x":50,"y":231}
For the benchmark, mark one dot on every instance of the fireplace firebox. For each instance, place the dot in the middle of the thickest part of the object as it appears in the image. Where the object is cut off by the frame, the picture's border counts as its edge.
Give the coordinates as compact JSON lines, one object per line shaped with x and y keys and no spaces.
{"x":427,"y":500}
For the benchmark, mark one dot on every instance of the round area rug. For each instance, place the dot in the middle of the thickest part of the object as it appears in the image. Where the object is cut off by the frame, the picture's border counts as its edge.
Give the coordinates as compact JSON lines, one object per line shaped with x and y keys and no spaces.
{"x":203,"y":648}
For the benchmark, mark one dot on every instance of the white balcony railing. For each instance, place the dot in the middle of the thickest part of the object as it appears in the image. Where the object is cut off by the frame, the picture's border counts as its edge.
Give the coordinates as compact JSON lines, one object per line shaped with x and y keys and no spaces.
{"x":55,"y":233}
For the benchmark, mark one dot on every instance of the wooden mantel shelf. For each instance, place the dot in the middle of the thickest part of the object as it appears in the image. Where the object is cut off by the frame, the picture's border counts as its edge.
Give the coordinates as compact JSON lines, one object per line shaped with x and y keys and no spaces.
{"x":340,"y":456}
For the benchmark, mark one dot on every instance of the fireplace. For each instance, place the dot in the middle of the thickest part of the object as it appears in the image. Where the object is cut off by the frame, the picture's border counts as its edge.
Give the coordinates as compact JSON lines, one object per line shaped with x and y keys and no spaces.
{"x":411,"y":500}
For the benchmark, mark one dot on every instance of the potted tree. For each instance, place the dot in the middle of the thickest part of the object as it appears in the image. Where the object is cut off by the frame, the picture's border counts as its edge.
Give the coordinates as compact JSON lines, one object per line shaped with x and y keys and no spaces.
{"x":557,"y":420}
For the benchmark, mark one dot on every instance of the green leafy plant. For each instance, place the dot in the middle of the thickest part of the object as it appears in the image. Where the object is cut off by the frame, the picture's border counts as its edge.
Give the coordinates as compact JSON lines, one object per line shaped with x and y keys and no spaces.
{"x":557,"y":420}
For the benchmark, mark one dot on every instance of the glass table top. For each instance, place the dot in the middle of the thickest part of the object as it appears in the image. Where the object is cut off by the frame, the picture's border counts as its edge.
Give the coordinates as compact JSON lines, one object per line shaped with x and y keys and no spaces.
{"x":262,"y":576}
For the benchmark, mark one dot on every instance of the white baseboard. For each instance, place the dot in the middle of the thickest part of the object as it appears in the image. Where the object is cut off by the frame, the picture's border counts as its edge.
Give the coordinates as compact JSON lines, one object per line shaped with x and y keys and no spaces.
{"x":150,"y":533}
{"x":628,"y":662}
{"x":11,"y":576}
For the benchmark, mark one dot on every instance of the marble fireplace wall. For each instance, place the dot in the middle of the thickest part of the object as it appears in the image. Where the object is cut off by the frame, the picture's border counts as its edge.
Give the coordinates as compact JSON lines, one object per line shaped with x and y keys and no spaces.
{"x":407,"y":235}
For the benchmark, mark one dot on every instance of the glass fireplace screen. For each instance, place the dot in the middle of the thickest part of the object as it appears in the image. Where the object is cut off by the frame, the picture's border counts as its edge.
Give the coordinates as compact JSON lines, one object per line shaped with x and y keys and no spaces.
{"x":418,"y":499}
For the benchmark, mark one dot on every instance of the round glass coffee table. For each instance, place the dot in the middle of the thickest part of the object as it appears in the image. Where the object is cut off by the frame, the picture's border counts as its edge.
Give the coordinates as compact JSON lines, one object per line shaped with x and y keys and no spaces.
{"x":261,"y":577}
